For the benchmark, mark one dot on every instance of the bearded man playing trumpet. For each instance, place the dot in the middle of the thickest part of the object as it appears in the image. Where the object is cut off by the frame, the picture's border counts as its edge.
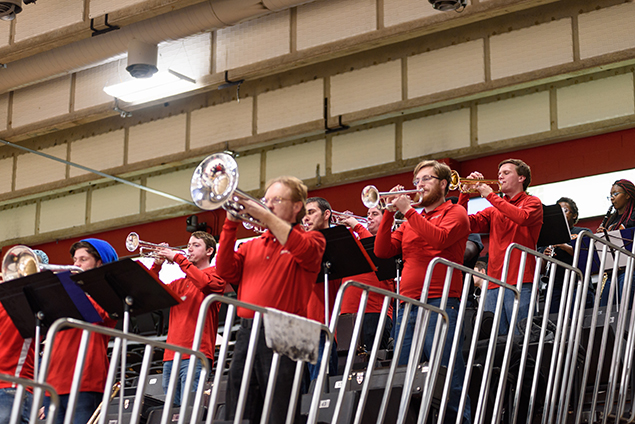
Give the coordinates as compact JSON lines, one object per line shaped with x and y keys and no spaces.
{"x":441,"y":229}
{"x":200,"y":281}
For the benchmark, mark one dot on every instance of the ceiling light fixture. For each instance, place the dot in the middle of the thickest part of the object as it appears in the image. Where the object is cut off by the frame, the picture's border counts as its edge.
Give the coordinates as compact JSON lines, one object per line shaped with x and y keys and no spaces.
{"x":160,"y":85}
{"x":10,"y":8}
{"x":447,"y":5}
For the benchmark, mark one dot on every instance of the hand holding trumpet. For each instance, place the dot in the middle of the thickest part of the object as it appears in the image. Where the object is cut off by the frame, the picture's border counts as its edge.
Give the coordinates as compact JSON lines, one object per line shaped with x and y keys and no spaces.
{"x":482,"y":187}
{"x":401,"y":202}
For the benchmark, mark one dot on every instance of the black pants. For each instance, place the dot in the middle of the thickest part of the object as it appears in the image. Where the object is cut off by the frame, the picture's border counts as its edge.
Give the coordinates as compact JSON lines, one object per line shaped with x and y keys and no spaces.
{"x":259,"y":378}
{"x":371,"y":320}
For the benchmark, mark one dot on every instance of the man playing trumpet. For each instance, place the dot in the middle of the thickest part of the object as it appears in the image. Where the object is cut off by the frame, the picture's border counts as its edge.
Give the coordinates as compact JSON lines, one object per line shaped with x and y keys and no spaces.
{"x":200,"y":281}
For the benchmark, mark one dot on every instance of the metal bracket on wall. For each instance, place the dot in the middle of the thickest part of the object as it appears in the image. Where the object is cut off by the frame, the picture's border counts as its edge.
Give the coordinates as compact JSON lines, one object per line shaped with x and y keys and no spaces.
{"x":229,"y":83}
{"x":340,"y":126}
{"x":121,"y":112}
{"x":102,"y":31}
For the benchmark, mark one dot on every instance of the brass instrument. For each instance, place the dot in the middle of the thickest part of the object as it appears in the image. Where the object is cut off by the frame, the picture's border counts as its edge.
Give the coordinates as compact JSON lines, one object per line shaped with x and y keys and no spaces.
{"x":458,"y":183}
{"x":373,"y":198}
{"x":339,"y":217}
{"x":95,"y":417}
{"x":147,"y":249}
{"x":215,"y":184}
{"x":20,"y":261}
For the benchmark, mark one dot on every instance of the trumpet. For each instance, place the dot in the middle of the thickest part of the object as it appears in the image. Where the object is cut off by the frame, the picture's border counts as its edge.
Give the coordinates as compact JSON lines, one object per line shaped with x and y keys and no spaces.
{"x":215,"y":184}
{"x":373,"y":198}
{"x":339,"y":217}
{"x":20,"y":261}
{"x":147,"y":249}
{"x":458,"y":183}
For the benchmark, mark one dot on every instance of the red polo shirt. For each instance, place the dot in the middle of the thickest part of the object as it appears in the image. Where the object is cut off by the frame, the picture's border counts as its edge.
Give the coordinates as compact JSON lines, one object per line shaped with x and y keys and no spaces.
{"x":268,"y":273}
{"x":16,"y":353}
{"x":442,"y":232}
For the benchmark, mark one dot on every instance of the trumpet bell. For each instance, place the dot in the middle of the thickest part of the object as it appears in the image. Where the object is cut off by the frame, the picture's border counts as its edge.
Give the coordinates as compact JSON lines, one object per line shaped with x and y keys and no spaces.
{"x":132,"y":241}
{"x":18,"y":262}
{"x":214,"y":181}
{"x":370,"y":196}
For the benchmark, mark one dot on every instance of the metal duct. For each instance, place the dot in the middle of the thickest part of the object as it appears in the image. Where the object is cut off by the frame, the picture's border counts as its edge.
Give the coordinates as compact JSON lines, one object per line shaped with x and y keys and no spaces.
{"x":206,"y":16}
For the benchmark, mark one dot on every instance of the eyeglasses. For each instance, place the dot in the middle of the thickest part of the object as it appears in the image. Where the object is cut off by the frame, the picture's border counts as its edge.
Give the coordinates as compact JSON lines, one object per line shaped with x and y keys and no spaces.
{"x":424,"y":179}
{"x":615,"y":194}
{"x":274,"y":201}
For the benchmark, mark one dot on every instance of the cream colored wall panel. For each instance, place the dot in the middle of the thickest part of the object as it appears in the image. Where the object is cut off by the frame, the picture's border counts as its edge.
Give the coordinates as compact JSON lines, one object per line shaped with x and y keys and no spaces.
{"x":63,"y":212}
{"x":533,"y":48}
{"x":446,"y":69}
{"x":300,"y":160}
{"x":365,"y":88}
{"x":4,"y":111}
{"x":189,"y":56}
{"x":607,"y":30}
{"x":158,"y":138}
{"x":513,"y":117}
{"x":400,"y":11}
{"x":595,"y":100}
{"x":6,"y":174}
{"x":5,"y":31}
{"x":290,"y":106}
{"x":436,"y":134}
{"x":89,"y":84}
{"x":175,"y":183}
{"x":253,"y":41}
{"x":100,"y":152}
{"x":249,"y":172}
{"x":227,"y":121}
{"x":17,"y":222}
{"x":323,"y":22}
{"x":42,"y":101}
{"x":101,"y":7}
{"x":46,"y":16}
{"x":31,"y":168}
{"x":114,"y":202}
{"x":362,"y":149}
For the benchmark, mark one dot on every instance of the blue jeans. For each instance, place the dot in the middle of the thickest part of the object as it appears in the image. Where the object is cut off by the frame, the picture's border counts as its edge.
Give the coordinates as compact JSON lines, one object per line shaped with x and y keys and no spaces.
{"x":87,"y":402}
{"x":167,"y":371}
{"x":508,"y":306}
{"x":458,"y":374}
{"x":314,"y":370}
{"x":620,"y":290}
{"x":6,"y":403}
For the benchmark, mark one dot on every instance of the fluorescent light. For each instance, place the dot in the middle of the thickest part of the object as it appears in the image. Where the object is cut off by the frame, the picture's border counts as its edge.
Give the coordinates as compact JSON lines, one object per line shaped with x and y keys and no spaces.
{"x":160,"y":85}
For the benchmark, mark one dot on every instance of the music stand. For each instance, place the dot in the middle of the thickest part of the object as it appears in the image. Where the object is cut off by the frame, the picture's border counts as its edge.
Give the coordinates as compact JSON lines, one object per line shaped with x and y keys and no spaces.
{"x":344,"y":256}
{"x":555,"y":228}
{"x":37,"y":300}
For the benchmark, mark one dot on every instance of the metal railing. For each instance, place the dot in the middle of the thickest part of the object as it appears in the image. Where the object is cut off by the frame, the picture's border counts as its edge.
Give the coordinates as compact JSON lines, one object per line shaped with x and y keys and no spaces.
{"x":21,"y":390}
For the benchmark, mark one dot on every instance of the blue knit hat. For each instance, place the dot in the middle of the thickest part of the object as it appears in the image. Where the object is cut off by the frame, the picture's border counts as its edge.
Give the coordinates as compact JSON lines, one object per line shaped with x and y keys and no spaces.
{"x":105,"y":250}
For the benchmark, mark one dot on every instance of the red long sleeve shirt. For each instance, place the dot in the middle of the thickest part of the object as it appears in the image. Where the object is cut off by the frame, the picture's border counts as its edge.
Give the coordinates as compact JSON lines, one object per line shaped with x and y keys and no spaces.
{"x":442,"y":232}
{"x":16,"y":353}
{"x":268,"y":273}
{"x":350,"y":303}
{"x":193,"y":289}
{"x":515,"y":220}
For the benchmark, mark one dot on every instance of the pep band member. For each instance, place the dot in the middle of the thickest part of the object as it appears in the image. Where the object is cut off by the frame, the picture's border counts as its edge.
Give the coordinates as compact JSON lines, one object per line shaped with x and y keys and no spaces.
{"x":200,"y":281}
{"x":87,"y":254}
{"x":441,"y":229}
{"x":278,"y":270}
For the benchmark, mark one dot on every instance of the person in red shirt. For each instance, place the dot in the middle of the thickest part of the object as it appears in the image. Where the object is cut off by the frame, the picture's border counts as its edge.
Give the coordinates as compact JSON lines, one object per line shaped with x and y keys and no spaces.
{"x":87,"y":254}
{"x":16,"y":359}
{"x":200,"y":281}
{"x":441,"y":229}
{"x":278,"y":270}
{"x":516,"y":217}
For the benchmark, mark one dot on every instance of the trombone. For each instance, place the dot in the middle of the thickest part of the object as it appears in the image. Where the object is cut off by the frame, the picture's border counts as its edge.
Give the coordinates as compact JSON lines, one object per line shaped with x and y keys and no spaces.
{"x":373,"y":198}
{"x":20,"y":261}
{"x":458,"y":183}
{"x":147,"y":249}
{"x":339,"y":217}
{"x":215,"y":184}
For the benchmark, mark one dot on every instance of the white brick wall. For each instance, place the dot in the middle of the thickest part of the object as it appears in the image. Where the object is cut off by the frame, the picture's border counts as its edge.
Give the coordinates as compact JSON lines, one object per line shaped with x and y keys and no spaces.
{"x":299,"y":160}
{"x":158,"y":138}
{"x":46,"y":16}
{"x":174,"y":183}
{"x":189,"y":56}
{"x":31,"y":168}
{"x":5,"y":30}
{"x":436,"y":133}
{"x":513,"y":117}
{"x":114,"y":202}
{"x":365,"y":88}
{"x":17,"y":222}
{"x":607,"y":30}
{"x":4,"y":111}
{"x":100,"y":152}
{"x":361,"y":149}
{"x":253,"y":41}
{"x":89,"y":84}
{"x":6,"y":174}
{"x":532,"y":48}
{"x":400,"y":11}
{"x":227,"y":121}
{"x":446,"y":69}
{"x":249,"y":172}
{"x":101,"y":7}
{"x":63,"y":212}
{"x":322,"y":22}
{"x":42,"y":101}
{"x":595,"y":100}
{"x":291,"y":106}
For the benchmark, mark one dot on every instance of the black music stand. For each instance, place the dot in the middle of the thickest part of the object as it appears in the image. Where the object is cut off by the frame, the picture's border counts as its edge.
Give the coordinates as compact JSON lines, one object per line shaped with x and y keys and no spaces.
{"x":344,"y":256}
{"x":36,"y":301}
{"x":555,"y":228}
